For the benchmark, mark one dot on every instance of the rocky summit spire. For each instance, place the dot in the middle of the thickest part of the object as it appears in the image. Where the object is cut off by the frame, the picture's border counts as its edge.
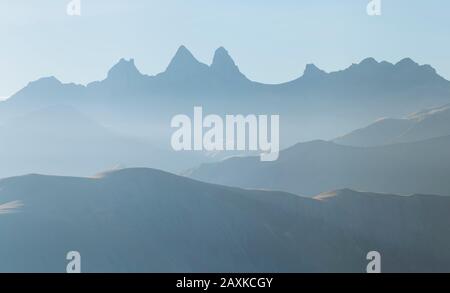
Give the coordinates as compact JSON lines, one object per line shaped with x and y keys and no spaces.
{"x":184,"y":61}
{"x":124,"y":69}
{"x":312,"y":70}
{"x":223,"y":60}
{"x":224,"y":65}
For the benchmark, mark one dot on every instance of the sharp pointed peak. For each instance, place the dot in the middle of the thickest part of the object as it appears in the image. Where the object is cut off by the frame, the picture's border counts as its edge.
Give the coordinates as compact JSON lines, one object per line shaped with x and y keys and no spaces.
{"x":183,"y":51}
{"x":224,"y":65}
{"x":313,"y":70}
{"x":222,"y":58}
{"x":182,"y":60}
{"x":221,"y":51}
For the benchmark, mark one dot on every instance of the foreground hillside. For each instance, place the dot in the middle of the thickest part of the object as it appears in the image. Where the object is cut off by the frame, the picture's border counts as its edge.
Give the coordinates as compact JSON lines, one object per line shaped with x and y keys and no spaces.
{"x":143,"y":220}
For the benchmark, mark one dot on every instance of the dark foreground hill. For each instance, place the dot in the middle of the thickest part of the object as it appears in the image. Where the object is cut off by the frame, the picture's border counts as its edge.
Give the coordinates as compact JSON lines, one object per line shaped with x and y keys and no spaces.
{"x":143,"y":220}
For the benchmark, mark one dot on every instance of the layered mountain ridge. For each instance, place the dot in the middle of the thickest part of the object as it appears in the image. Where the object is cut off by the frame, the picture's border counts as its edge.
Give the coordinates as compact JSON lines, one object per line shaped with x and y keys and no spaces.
{"x":145,"y":220}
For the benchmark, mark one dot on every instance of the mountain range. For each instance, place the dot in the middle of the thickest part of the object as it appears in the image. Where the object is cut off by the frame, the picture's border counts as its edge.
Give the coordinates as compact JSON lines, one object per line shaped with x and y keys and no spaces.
{"x":312,"y":167}
{"x":144,"y":220}
{"x":124,"y":119}
{"x":61,"y":140}
{"x":243,"y":215}
{"x":317,"y":105}
{"x":422,"y":125}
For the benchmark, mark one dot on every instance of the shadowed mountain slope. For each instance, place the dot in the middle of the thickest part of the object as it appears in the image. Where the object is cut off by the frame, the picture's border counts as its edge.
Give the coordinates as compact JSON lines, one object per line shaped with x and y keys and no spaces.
{"x":309,"y":168}
{"x":144,"y":220}
{"x":431,"y":123}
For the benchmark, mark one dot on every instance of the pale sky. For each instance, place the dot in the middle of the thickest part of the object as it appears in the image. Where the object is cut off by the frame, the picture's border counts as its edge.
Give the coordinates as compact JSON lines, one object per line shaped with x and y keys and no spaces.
{"x":271,"y":41}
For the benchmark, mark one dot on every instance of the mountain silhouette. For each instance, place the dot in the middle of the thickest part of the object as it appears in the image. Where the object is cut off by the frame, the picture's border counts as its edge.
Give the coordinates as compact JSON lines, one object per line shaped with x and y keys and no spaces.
{"x":223,"y":67}
{"x":184,"y":63}
{"x":312,"y":71}
{"x":422,"y":125}
{"x":61,"y":140}
{"x":309,"y":168}
{"x":144,"y":220}
{"x":124,"y":70}
{"x":317,"y":105}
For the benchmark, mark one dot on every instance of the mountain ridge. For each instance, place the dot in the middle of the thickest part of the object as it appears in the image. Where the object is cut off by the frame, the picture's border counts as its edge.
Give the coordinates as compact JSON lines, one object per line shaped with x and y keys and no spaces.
{"x":145,"y":220}
{"x":308,"y":168}
{"x":422,"y":125}
{"x":317,"y":105}
{"x":183,"y":55}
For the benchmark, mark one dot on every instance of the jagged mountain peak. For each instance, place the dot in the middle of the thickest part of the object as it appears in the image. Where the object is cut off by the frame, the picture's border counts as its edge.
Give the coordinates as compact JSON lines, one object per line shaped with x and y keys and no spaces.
{"x":183,"y":52}
{"x":313,"y":70}
{"x":222,"y":58}
{"x":405,"y":69}
{"x":224,"y":65}
{"x":366,"y":65}
{"x":183,"y":61}
{"x":124,"y":68}
{"x":407,"y":64}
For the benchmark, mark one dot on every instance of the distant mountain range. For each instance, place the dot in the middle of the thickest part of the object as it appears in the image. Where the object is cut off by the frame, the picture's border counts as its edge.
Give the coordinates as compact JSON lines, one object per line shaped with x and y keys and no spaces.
{"x":309,"y":168}
{"x":143,"y":220}
{"x":61,"y":140}
{"x":124,"y":120}
{"x":317,"y":105}
{"x":273,"y":216}
{"x":421,"y":125}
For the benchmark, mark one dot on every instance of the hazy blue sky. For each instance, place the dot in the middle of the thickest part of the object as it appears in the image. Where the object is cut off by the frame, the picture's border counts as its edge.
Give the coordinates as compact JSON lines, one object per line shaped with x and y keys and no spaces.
{"x":271,"y":41}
